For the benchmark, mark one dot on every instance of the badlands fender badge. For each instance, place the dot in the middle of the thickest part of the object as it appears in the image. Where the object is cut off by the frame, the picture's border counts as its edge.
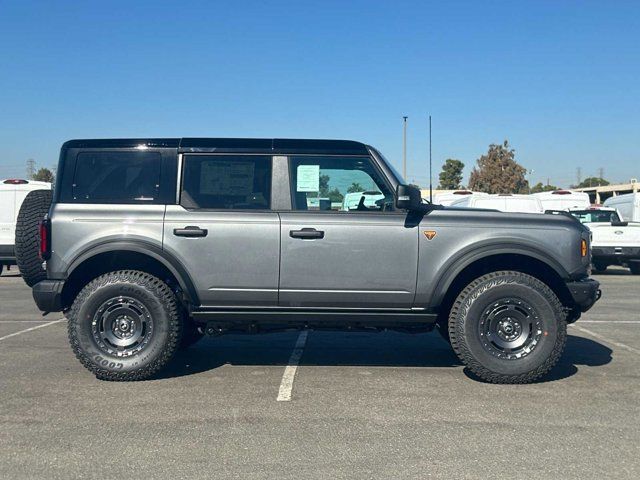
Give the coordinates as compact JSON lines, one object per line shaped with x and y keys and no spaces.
{"x":430,"y":234}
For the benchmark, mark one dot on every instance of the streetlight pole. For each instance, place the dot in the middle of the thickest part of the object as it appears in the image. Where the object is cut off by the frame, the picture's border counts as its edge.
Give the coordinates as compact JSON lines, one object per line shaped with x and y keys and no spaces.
{"x":430,"y":170}
{"x":404,"y":148}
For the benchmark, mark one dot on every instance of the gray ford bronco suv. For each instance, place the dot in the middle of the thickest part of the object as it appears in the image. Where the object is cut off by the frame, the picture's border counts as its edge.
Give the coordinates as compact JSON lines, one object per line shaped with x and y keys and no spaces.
{"x":150,"y":244}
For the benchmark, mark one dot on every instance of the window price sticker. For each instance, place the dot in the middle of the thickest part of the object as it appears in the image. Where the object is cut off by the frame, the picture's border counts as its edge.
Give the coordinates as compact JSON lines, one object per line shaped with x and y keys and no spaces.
{"x":308,"y":178}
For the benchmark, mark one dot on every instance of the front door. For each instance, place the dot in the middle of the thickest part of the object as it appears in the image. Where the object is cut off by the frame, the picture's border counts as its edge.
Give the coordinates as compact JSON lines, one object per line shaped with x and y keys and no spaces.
{"x":343,"y":244}
{"x":223,"y":231}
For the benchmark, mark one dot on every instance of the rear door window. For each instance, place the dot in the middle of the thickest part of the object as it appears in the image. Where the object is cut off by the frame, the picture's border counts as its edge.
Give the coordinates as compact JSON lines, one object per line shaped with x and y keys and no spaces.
{"x":226,"y":182}
{"x":117,"y":177}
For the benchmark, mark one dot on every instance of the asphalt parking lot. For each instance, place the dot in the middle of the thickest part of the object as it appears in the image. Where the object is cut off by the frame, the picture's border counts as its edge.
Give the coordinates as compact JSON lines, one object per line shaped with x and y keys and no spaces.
{"x":384,"y":405}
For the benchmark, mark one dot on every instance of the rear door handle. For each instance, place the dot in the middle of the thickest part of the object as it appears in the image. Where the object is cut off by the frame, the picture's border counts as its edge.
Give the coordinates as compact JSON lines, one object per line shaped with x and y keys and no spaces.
{"x":190,"y":231}
{"x":306,"y":233}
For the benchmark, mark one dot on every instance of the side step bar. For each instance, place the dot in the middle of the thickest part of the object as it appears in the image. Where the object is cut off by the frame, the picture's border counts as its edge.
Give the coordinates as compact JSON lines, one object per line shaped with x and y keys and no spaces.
{"x":220,"y":320}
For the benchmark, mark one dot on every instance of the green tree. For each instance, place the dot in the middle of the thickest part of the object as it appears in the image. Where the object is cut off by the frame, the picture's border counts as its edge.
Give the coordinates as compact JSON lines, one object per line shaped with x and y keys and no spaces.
{"x":325,"y":192}
{"x":43,"y":175}
{"x":539,"y":187}
{"x":451,"y":174}
{"x":592,"y":182}
{"x":335,"y":196}
{"x":324,"y":185}
{"x":355,"y":187}
{"x":498,"y":172}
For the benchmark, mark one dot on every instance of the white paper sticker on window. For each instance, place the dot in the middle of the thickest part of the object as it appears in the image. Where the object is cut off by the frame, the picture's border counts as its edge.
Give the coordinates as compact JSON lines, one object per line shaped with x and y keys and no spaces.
{"x":226,"y":178}
{"x":308,"y":178}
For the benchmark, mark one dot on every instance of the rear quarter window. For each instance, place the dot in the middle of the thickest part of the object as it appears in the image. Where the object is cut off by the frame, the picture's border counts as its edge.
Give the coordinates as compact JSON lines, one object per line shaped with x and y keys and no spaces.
{"x":117,"y":177}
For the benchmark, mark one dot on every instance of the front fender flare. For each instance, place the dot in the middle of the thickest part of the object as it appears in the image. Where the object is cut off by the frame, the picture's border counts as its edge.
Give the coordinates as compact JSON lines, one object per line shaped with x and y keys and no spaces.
{"x":475,"y":253}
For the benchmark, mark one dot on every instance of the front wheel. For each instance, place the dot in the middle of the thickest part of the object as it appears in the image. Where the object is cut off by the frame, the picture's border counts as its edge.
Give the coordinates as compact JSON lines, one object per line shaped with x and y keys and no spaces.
{"x":508,"y":327}
{"x":125,"y":325}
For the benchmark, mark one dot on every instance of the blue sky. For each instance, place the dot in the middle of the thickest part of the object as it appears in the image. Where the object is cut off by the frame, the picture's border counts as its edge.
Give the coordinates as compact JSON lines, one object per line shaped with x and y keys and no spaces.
{"x":560,"y":80}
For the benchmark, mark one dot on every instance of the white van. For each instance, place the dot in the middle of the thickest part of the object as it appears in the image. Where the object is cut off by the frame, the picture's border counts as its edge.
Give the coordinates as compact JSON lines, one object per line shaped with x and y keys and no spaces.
{"x":12,"y":194}
{"x":504,"y":203}
{"x":628,"y":205}
{"x":447,"y":198}
{"x":563,"y":200}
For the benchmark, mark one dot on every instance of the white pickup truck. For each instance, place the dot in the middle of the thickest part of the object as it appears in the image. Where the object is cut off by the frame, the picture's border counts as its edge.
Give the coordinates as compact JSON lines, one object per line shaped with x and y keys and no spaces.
{"x":614,"y":242}
{"x":13,"y":191}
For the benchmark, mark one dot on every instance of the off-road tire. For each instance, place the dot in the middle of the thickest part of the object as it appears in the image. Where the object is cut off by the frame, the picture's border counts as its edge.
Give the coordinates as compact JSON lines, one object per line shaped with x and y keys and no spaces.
{"x":162,"y":307}
{"x":482,"y":294}
{"x":34,"y":208}
{"x":598,"y":267}
{"x":635,"y":267}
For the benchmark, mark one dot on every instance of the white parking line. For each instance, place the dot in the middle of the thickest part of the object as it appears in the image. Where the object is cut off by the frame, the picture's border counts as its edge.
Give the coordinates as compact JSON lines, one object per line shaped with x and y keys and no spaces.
{"x":286,"y":385}
{"x":607,"y":340}
{"x":22,"y":321}
{"x":31,"y":329}
{"x":610,"y":321}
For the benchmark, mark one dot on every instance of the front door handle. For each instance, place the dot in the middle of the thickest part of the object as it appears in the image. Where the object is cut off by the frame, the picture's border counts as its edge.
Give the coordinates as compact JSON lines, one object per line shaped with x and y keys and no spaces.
{"x":306,"y":233}
{"x":190,"y":231}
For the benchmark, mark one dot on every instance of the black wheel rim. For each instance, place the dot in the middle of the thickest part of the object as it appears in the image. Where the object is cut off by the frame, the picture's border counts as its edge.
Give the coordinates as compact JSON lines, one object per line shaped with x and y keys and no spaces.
{"x":122,"y":326}
{"x":510,"y":328}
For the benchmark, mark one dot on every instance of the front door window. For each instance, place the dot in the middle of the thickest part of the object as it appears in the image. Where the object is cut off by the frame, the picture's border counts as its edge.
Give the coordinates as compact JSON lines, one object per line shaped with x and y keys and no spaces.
{"x":339,"y":184}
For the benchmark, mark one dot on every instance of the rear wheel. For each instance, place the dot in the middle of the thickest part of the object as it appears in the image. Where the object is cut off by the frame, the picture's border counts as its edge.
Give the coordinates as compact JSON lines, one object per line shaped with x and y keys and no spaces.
{"x":508,"y":327}
{"x":635,"y":267}
{"x":125,"y":325}
{"x":34,"y":208}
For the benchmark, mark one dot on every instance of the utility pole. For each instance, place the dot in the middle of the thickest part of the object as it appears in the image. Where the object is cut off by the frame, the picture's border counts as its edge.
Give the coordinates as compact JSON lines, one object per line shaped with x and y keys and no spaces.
{"x":600,"y":174}
{"x":404,"y":148}
{"x":430,"y":174}
{"x":31,"y":168}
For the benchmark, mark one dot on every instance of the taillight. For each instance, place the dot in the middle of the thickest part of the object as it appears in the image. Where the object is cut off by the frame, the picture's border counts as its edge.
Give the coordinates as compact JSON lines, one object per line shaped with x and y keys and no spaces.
{"x":45,"y":239}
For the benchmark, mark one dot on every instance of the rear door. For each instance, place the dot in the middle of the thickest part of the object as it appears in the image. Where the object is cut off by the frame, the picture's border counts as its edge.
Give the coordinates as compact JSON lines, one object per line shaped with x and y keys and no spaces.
{"x":223,"y":231}
{"x":338,"y":255}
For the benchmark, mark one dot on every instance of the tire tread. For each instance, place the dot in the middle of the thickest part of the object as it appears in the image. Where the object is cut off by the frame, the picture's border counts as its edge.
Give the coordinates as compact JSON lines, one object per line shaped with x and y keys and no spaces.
{"x":462,"y":304}
{"x":27,"y":243}
{"x":158,"y":288}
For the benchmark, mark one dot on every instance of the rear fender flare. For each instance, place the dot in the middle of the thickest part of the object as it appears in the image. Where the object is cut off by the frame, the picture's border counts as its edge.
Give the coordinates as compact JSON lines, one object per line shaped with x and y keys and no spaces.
{"x":145,"y":248}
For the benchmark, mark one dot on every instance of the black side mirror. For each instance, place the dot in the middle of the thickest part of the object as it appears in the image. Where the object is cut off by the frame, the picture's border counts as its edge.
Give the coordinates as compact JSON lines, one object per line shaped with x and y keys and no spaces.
{"x":409,"y":198}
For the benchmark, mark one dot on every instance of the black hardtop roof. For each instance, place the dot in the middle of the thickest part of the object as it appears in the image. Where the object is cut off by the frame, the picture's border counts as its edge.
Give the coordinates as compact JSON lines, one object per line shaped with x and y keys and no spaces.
{"x":231,"y":145}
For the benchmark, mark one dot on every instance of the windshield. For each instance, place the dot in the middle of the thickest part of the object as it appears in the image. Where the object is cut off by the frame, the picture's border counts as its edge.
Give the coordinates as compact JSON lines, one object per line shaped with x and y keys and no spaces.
{"x":596,"y":216}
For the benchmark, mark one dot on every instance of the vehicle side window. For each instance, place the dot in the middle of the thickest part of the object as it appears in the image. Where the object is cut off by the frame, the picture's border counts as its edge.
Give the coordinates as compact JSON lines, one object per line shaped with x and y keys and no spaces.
{"x":232,"y":182}
{"x":117,"y":177}
{"x":341,"y":184}
{"x":596,"y":216}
